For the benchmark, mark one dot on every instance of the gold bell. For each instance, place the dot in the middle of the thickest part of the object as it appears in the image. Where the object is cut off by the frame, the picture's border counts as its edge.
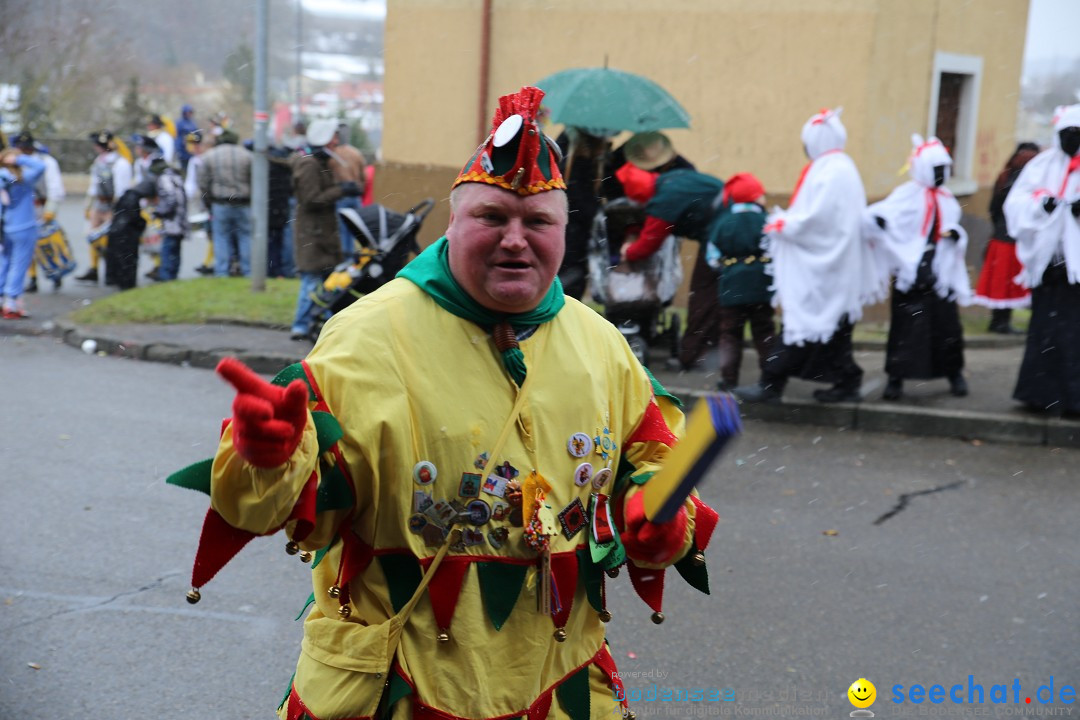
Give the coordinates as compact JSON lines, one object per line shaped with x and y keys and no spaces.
{"x":560,"y":635}
{"x":612,"y":572}
{"x":630,"y":715}
{"x":698,"y":559}
{"x":605,"y":615}
{"x":344,"y":611}
{"x":305,"y":557}
{"x":443,"y":636}
{"x":193,"y":595}
{"x":292,"y":547}
{"x":334,"y":591}
{"x":658,"y":617}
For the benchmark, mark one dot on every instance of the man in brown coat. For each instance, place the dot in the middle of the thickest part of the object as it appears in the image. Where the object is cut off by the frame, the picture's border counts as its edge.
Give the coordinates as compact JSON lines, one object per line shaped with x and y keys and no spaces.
{"x":348,"y":166}
{"x":317,"y":244}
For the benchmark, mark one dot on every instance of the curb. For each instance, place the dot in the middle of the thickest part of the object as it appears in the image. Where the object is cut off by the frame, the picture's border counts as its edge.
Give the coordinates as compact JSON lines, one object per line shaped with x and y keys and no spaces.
{"x":266,"y":363}
{"x":870,"y":417}
{"x":971,"y":342}
{"x":913,"y":420}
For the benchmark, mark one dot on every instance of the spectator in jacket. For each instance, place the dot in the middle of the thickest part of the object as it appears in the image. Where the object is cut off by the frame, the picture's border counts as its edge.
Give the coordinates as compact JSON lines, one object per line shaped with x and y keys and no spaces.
{"x":317,"y":242}
{"x":48,"y":192}
{"x":18,"y":173}
{"x":225,"y":183}
{"x":171,"y":209}
{"x":348,"y":166}
{"x":279,"y":250}
{"x":184,"y":127}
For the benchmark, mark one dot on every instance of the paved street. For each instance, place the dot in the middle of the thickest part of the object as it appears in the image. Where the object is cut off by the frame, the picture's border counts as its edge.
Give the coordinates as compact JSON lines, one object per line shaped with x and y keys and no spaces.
{"x":839,"y":555}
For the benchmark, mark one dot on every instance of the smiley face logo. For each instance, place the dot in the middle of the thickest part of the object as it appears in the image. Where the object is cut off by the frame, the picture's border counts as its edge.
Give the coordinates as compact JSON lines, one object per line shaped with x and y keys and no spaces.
{"x":862,"y":693}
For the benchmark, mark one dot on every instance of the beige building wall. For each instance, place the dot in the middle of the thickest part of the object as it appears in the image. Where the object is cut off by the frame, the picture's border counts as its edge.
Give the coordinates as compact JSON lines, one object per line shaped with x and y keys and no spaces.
{"x":749,"y":72}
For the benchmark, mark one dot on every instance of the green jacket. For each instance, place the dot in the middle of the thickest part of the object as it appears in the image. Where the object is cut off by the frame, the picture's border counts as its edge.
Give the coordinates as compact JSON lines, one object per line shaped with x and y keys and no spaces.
{"x":735,"y":251}
{"x":685,"y":199}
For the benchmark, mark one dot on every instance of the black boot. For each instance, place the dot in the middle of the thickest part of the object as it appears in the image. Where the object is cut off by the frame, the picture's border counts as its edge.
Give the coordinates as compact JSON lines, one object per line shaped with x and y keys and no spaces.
{"x":958,"y":385}
{"x":31,"y":287}
{"x":1001,"y":322}
{"x":894,"y":389}
{"x":90,"y":276}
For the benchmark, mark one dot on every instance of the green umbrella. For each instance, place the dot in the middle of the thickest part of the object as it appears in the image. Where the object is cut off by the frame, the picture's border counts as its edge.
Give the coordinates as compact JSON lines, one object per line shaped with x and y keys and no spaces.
{"x":606,"y":101}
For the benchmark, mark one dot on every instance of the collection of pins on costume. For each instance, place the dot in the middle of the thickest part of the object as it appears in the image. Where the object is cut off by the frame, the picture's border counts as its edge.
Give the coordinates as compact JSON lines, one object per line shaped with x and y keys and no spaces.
{"x":498,"y":499}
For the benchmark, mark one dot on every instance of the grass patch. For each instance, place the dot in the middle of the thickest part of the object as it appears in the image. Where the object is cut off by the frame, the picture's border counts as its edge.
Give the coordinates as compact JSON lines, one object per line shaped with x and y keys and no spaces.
{"x":196,"y":301}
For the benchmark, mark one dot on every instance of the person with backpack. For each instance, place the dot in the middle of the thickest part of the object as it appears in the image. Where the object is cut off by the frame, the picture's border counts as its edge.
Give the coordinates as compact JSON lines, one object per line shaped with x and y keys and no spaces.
{"x":743,"y":285}
{"x":110,"y":178}
{"x":685,"y":203}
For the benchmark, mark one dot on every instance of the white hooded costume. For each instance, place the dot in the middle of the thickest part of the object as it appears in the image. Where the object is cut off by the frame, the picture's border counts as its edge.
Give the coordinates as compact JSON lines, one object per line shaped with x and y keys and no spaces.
{"x":908,"y":213}
{"x":822,"y":268}
{"x":1041,"y":235}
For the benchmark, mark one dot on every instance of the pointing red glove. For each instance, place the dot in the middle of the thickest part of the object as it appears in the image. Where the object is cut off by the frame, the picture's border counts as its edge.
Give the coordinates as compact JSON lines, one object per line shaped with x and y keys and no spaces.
{"x":648,"y":541}
{"x":268,"y":420}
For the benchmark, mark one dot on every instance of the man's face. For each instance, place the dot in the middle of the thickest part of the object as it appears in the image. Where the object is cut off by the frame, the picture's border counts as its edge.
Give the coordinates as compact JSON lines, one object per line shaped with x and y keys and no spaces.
{"x":505,"y":248}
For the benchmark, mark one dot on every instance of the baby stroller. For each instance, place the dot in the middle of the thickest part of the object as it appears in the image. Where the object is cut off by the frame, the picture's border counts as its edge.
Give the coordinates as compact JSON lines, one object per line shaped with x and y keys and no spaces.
{"x":386,"y":240}
{"x":636,"y":295}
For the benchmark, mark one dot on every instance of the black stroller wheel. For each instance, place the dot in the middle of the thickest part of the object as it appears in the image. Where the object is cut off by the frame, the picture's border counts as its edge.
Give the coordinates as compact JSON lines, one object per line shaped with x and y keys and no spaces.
{"x":639,"y":348}
{"x":674,"y":333}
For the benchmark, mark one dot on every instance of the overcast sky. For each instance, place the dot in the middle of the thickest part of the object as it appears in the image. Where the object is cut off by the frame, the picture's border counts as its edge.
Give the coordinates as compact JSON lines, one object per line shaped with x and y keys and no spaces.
{"x":368,"y":9}
{"x":1053,"y":31}
{"x":1052,"y":34}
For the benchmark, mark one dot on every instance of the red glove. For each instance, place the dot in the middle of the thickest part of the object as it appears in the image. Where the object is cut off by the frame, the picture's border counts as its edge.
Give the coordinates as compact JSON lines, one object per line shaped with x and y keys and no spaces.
{"x":268,"y":420}
{"x":648,"y":541}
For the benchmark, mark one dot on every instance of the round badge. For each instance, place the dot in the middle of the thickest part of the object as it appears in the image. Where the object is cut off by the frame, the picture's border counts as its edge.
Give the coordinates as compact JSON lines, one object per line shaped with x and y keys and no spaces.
{"x":579,"y":445}
{"x":507,"y":130}
{"x":582,"y":474}
{"x":424,"y":473}
{"x":600,"y":478}
{"x":417,"y":523}
{"x":479,"y":512}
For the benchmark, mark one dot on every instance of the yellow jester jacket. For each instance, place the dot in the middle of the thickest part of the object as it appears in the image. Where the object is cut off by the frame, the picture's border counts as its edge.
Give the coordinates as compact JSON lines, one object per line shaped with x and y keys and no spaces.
{"x":421,"y":395}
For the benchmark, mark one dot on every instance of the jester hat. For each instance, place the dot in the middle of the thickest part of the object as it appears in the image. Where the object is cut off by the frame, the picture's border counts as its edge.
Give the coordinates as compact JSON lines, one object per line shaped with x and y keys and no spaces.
{"x":516,"y":155}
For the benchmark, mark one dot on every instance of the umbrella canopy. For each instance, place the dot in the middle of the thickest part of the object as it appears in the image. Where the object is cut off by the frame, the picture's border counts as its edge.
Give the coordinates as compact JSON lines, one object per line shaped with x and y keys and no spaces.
{"x":606,"y":101}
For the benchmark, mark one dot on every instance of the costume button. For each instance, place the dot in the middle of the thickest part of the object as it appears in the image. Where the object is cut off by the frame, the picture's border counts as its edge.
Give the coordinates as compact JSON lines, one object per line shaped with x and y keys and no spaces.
{"x":600,"y":478}
{"x":424,"y":472}
{"x":479,"y":512}
{"x":579,"y":445}
{"x":583,"y":474}
{"x":417,"y":523}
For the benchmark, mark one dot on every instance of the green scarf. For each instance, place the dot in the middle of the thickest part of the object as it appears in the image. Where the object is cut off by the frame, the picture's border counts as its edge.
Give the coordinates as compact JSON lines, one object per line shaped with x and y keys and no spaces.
{"x":430,"y":271}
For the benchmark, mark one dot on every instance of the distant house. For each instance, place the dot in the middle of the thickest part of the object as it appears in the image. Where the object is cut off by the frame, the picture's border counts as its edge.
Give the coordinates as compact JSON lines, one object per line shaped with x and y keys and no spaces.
{"x":749,"y":72}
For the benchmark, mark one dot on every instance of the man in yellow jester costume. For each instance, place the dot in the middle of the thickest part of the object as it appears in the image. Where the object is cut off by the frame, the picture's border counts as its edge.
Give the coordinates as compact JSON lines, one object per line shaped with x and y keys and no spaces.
{"x":470,"y":417}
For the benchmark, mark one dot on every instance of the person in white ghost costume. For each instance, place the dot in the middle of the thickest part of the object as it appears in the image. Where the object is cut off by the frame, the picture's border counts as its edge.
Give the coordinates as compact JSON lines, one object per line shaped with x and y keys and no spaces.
{"x":917,"y":232}
{"x":1042,"y":212}
{"x":823,"y":269}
